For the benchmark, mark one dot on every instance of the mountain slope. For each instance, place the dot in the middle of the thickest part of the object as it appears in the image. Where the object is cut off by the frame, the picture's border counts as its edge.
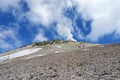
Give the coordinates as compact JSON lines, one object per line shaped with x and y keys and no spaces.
{"x":63,"y":60}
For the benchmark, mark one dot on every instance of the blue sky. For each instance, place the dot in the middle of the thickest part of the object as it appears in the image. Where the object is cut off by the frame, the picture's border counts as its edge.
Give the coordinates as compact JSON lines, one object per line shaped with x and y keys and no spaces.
{"x":25,"y":21}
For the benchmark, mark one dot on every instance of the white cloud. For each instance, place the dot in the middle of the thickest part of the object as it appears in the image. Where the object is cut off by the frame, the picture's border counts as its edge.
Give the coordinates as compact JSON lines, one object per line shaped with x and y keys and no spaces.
{"x":6,"y":4}
{"x":65,"y":29}
{"x":4,"y":45}
{"x":105,"y":15}
{"x":39,"y":12}
{"x":8,"y":39}
{"x":40,"y":37}
{"x":65,"y":32}
{"x":46,"y":12}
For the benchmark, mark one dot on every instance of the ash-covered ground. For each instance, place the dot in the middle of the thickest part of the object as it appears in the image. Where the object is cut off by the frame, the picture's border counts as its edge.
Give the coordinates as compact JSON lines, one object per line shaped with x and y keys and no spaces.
{"x":61,"y":60}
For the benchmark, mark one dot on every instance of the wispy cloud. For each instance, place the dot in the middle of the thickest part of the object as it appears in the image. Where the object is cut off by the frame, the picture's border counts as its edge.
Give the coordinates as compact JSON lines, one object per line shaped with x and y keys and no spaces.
{"x":6,"y":5}
{"x":40,"y":36}
{"x":105,"y":16}
{"x":8,"y":38}
{"x":46,"y":12}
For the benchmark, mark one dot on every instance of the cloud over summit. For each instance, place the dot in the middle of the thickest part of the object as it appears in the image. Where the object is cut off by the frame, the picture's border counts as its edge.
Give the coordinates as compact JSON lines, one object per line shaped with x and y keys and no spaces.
{"x":104,"y":15}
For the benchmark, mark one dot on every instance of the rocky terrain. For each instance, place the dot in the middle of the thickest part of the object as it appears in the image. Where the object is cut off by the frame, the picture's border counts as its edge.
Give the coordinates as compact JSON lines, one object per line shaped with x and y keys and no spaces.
{"x":61,"y":60}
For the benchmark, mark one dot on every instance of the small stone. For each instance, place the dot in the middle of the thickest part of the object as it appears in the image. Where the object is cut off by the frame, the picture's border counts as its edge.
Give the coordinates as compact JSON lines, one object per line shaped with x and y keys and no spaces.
{"x":78,"y":74}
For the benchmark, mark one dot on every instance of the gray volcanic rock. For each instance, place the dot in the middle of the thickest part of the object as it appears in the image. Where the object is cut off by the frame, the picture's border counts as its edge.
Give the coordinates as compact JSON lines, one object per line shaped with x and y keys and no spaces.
{"x":62,"y":60}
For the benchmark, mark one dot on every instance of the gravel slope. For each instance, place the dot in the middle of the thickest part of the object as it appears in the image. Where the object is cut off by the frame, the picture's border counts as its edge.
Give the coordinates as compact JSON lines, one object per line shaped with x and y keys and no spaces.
{"x":101,"y":62}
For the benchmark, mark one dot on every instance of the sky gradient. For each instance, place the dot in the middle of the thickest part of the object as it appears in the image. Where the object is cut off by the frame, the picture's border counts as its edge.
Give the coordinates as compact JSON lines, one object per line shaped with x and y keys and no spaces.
{"x":25,"y":21}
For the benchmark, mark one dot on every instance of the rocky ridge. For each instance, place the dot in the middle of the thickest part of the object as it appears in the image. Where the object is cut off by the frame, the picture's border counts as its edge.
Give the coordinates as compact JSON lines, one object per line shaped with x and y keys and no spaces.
{"x":62,"y":60}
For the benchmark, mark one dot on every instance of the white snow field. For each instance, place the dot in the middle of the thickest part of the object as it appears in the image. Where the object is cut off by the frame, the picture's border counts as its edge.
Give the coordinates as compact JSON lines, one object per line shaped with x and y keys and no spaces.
{"x":19,"y":54}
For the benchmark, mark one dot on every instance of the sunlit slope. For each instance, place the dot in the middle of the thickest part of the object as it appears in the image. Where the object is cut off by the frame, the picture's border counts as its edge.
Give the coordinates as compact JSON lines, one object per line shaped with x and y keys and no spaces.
{"x":43,"y":48}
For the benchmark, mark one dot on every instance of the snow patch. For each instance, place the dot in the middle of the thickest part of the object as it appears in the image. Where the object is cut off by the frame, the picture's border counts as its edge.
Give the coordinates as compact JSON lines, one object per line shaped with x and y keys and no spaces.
{"x":4,"y":58}
{"x":58,"y":51}
{"x":85,"y":49}
{"x":19,"y":54}
{"x":24,"y":52}
{"x":40,"y":55}
{"x":58,"y":46}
